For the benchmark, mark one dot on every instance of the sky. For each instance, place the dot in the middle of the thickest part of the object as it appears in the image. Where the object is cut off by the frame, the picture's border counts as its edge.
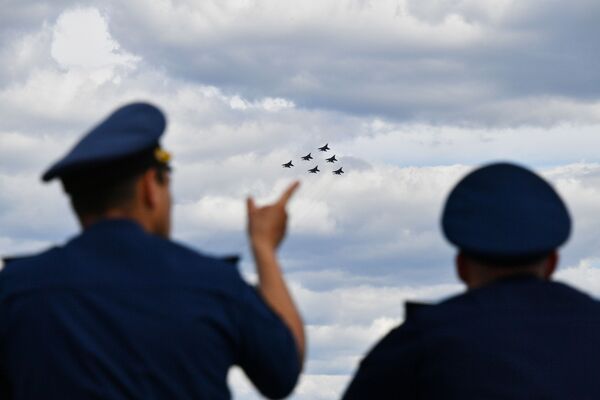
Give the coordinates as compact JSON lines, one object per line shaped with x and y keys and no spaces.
{"x":410,"y":95}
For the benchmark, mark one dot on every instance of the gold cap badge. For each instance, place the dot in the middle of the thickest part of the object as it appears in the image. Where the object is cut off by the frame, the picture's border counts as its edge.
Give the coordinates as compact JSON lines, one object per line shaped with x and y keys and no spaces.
{"x":162,"y":156}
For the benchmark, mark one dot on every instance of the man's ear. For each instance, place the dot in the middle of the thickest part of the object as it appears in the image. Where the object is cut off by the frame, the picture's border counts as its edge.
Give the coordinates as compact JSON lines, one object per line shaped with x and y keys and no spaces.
{"x":551,"y":264}
{"x":462,"y":269}
{"x":148,"y":188}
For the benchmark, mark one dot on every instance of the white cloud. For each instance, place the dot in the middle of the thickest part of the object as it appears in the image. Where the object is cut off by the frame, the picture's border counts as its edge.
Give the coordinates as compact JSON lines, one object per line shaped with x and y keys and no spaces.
{"x":17,"y":148}
{"x":476,"y":10}
{"x":268,"y":104}
{"x":214,"y":213}
{"x":320,"y":387}
{"x":458,"y":62}
{"x":310,"y":386}
{"x":422,"y":145}
{"x":81,"y":42}
{"x":11,"y":247}
{"x":585,"y":276}
{"x":211,"y":19}
{"x":31,"y":214}
{"x":24,"y":54}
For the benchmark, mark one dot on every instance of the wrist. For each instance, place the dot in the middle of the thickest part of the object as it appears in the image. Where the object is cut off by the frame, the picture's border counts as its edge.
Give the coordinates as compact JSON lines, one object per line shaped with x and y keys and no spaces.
{"x":262,"y":246}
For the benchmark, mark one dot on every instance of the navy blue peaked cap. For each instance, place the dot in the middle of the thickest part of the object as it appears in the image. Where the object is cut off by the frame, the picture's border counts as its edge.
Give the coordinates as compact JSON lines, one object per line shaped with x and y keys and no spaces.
{"x":503,"y":210}
{"x":129,"y":130}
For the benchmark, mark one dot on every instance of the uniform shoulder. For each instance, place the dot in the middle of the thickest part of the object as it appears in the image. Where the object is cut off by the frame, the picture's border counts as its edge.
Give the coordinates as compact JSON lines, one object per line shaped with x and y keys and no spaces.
{"x":424,"y":315}
{"x":529,"y":295}
{"x":178,"y":249}
{"x":26,"y":271}
{"x":201,"y":268}
{"x":8,"y":263}
{"x":563,"y":293}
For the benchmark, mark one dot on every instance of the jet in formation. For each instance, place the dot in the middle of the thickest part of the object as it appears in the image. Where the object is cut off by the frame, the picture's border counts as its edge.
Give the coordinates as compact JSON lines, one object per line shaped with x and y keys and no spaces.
{"x":316,"y":169}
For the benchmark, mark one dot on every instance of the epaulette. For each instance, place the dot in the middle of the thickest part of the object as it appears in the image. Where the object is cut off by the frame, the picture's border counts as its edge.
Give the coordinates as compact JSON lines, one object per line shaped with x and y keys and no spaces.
{"x":232,"y":259}
{"x":4,"y":261}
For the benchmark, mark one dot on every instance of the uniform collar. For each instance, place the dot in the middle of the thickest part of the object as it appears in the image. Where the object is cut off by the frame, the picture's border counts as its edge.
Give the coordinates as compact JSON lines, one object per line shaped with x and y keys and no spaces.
{"x":115,"y":224}
{"x":509,"y":281}
{"x":515,"y":279}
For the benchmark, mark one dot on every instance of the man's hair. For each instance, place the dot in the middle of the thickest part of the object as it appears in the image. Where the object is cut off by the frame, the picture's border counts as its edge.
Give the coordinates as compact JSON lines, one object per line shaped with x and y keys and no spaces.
{"x":94,"y":192}
{"x":512,"y":262}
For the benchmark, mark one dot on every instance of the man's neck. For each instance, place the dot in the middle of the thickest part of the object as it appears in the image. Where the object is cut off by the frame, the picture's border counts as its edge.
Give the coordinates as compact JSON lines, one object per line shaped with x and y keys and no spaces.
{"x":113,"y":214}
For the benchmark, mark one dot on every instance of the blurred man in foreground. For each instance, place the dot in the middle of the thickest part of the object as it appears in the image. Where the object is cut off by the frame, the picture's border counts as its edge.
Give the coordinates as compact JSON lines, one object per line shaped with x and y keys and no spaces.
{"x":121,"y":311}
{"x":514,"y":334}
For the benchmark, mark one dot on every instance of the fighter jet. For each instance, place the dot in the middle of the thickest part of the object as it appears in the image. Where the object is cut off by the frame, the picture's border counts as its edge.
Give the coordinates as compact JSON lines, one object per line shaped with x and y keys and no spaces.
{"x":331,"y":159}
{"x":307,"y":157}
{"x":314,"y":170}
{"x":325,"y":148}
{"x":288,"y":164}
{"x":338,"y":171}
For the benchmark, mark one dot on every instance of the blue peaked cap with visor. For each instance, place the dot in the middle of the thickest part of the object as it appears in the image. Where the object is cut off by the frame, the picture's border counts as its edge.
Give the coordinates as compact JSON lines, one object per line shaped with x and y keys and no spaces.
{"x":131,"y":132}
{"x":503,"y":210}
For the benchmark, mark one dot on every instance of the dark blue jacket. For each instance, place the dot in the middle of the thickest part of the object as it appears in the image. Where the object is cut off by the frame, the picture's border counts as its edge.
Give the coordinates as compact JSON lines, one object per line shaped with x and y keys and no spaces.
{"x":515,"y":339}
{"x":120,"y":314}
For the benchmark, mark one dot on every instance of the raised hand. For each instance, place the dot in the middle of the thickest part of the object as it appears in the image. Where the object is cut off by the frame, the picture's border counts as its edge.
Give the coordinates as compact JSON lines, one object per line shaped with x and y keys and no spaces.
{"x":267,"y":225}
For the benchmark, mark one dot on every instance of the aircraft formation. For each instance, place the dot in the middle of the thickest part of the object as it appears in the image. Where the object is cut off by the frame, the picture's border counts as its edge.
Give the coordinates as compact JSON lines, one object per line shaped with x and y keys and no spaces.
{"x":316,"y":169}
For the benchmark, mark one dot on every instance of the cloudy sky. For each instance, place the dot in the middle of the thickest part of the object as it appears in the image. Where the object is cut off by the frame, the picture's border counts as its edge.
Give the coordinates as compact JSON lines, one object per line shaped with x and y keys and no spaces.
{"x":409,"y":94}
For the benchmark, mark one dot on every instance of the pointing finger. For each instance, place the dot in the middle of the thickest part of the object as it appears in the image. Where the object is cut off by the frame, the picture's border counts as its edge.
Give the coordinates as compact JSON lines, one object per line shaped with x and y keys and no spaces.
{"x":285,"y":197}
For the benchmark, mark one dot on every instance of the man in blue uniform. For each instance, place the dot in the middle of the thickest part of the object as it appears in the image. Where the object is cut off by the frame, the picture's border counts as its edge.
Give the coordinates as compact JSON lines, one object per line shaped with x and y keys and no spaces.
{"x":121,"y":311}
{"x":514,"y":334}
